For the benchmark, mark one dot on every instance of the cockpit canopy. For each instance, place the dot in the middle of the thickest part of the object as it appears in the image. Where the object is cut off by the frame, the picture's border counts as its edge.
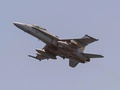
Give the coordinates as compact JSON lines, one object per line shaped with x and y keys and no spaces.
{"x":38,"y":27}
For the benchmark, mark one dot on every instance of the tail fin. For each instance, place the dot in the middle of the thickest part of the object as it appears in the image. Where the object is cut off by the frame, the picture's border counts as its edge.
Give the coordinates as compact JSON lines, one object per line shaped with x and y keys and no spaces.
{"x":73,"y":63}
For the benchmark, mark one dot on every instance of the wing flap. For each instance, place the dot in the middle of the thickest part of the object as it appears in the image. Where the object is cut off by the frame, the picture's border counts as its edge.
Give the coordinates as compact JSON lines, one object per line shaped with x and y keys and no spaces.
{"x":73,"y":63}
{"x":92,"y":55}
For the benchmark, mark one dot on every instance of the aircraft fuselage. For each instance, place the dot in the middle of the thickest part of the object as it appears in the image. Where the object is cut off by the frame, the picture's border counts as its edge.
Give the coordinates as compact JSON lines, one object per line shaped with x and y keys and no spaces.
{"x":67,"y":48}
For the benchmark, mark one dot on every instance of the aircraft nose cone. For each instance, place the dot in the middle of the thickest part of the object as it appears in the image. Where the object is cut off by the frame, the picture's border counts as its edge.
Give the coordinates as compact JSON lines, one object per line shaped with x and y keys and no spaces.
{"x":17,"y":24}
{"x":21,"y":26}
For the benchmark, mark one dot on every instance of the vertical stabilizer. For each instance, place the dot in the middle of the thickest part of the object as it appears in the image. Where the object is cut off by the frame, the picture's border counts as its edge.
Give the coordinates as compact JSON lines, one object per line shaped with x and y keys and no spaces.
{"x":73,"y":63}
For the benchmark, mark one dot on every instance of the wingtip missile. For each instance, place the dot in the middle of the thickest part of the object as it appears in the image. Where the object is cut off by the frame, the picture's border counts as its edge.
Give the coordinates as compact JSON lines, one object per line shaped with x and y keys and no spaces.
{"x":34,"y":57}
{"x":91,"y":37}
{"x":31,"y":56}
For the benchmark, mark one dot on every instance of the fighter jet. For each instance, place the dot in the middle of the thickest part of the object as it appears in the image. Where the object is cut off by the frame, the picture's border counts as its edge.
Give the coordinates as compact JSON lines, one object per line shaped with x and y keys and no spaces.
{"x":72,"y":49}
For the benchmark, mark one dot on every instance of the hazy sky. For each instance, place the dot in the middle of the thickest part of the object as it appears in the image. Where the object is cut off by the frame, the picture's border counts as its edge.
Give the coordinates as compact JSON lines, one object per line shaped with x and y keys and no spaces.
{"x":66,"y":19}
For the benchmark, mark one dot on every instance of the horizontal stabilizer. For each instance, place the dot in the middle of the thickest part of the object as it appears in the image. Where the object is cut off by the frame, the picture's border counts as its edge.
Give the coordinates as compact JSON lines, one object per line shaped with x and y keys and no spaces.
{"x":92,"y":55}
{"x":73,"y":63}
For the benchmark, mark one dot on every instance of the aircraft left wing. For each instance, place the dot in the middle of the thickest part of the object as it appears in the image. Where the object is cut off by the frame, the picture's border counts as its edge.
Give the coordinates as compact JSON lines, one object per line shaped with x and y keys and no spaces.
{"x":82,"y":41}
{"x":44,"y":53}
{"x":38,"y":57}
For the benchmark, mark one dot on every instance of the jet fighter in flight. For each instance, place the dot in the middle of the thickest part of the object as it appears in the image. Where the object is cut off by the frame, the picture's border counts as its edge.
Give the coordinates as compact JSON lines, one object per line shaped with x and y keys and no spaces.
{"x":72,"y":49}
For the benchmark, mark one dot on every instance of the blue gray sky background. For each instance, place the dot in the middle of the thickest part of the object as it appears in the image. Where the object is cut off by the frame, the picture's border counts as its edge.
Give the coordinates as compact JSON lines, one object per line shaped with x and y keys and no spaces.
{"x":66,"y":19}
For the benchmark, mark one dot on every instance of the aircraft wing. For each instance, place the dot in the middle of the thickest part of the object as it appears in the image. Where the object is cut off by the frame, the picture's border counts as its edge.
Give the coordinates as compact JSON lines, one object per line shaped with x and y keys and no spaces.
{"x":73,"y":63}
{"x":82,"y":41}
{"x":44,"y":53}
{"x":92,"y":55}
{"x":38,"y":57}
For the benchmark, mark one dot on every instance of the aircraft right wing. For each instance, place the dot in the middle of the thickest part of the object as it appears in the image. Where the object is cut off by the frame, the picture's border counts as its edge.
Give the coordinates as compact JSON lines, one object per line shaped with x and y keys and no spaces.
{"x":82,"y":41}
{"x":73,"y":63}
